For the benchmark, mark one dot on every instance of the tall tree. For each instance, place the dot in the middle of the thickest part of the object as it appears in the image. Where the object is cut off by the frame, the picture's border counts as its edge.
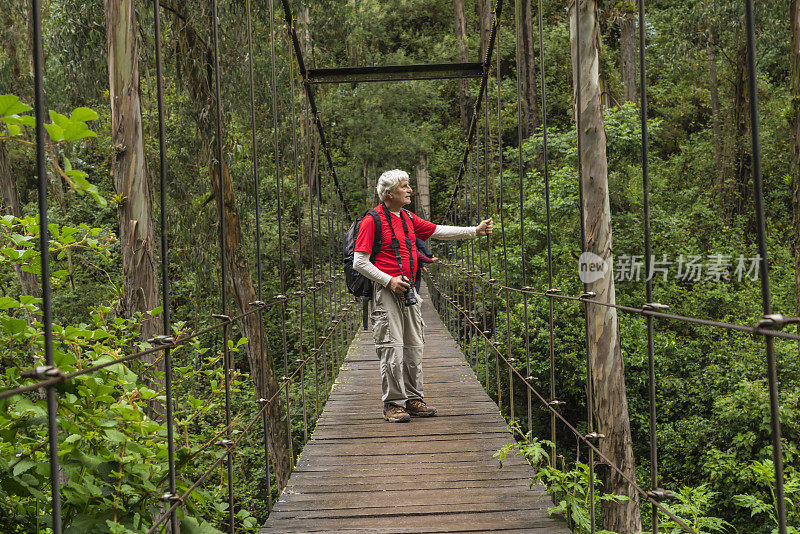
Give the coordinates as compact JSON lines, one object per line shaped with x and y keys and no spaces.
{"x":628,"y":49}
{"x":128,"y":167}
{"x":195,"y":56}
{"x":307,"y":125}
{"x":423,"y":187}
{"x":608,"y":369}
{"x":462,"y":54}
{"x":530,"y":106}
{"x":484,"y":11}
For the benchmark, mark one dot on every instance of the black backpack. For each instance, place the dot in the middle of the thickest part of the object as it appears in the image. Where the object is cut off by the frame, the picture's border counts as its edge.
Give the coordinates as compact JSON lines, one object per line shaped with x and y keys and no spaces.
{"x":358,"y":284}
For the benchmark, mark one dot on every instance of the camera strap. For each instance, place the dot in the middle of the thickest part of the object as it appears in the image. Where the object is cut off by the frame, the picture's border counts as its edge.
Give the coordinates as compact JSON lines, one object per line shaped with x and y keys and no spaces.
{"x":396,"y":242}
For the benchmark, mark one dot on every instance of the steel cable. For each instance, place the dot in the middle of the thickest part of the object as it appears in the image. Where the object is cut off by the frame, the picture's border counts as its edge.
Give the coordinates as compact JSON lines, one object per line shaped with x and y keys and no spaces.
{"x":766,"y":298}
{"x":577,"y":434}
{"x":165,"y":301}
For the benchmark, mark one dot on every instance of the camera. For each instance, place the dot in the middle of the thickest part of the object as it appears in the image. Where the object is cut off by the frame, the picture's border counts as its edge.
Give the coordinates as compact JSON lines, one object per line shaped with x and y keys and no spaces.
{"x":409,"y":297}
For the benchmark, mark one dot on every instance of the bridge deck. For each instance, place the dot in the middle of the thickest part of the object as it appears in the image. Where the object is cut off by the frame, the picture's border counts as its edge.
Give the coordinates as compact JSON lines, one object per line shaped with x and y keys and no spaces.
{"x":359,"y":473}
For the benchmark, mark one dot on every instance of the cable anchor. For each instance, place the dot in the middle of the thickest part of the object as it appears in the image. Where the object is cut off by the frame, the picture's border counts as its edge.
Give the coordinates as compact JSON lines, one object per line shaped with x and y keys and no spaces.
{"x":776,"y":321}
{"x":660,"y":494}
{"x":161,"y":340}
{"x":43,"y":372}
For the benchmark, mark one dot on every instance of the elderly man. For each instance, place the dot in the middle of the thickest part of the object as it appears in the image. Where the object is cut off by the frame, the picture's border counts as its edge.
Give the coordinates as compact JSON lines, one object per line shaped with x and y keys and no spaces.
{"x":397,"y":325}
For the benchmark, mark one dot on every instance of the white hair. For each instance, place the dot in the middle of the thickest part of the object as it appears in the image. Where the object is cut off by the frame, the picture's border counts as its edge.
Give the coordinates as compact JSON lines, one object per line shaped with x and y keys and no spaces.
{"x":388,"y":181}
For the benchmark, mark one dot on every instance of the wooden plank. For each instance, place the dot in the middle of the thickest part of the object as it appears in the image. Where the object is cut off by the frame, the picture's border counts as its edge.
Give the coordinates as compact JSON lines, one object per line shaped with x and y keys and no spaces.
{"x":359,"y":473}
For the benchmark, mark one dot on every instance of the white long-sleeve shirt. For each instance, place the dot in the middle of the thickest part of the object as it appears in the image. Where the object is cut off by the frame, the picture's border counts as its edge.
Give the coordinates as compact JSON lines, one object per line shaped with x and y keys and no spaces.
{"x":443,"y":232}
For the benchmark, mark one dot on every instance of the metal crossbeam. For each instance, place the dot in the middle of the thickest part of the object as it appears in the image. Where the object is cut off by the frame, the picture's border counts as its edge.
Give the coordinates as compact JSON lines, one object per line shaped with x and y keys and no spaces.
{"x":389,"y":73}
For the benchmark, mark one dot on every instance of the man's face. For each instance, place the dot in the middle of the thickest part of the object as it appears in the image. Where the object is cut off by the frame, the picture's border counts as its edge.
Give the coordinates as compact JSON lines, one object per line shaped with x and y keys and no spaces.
{"x":402,"y":193}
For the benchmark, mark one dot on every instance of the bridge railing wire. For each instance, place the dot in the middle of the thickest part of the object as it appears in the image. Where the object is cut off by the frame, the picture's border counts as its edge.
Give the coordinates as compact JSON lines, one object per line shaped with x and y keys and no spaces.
{"x":338,"y":324}
{"x":454,"y":280}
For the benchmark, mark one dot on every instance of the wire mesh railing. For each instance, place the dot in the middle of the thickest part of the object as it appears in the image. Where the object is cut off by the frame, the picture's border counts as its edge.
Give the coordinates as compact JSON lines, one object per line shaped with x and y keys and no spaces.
{"x":465,"y":290}
{"x":324,"y":310}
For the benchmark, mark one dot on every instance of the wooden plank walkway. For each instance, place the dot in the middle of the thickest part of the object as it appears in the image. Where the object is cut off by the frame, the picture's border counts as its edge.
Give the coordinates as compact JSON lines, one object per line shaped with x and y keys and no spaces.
{"x":359,"y":473}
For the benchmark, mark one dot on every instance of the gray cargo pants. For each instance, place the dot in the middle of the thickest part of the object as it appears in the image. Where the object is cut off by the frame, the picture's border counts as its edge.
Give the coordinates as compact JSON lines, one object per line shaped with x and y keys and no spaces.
{"x":398,"y":331}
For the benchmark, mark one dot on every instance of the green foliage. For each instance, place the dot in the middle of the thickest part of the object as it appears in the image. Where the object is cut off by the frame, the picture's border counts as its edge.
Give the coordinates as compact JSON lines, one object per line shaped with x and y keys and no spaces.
{"x":62,"y":131}
{"x":569,"y":488}
{"x":692,"y":506}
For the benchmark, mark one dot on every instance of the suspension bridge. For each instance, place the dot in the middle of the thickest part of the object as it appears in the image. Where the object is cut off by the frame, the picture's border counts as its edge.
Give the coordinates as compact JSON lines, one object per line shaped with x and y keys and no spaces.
{"x":355,"y":472}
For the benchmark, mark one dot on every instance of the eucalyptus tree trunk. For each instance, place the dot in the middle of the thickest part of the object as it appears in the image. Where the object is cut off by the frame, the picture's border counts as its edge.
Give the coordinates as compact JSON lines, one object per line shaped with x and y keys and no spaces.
{"x":484,"y":11}
{"x":423,"y":186}
{"x":196,"y":63}
{"x":307,"y":125}
{"x":628,"y":50}
{"x":29,"y":282}
{"x":530,"y":105}
{"x":462,"y":55}
{"x":139,"y":271}
{"x":794,"y":17}
{"x":608,"y":369}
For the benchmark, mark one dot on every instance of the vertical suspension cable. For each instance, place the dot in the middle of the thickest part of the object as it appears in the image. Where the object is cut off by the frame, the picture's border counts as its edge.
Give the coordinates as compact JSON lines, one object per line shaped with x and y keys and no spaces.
{"x":766,"y":298}
{"x":313,"y":287}
{"x":329,"y":220}
{"x":521,"y":176}
{"x":299,"y":257}
{"x":321,"y":284}
{"x":165,"y":317}
{"x":471,"y":213}
{"x":482,"y":144}
{"x":223,"y":260}
{"x":44,"y":248}
{"x":500,"y":202}
{"x":274,"y":84}
{"x":486,"y":137}
{"x":257,"y":206}
{"x":549,"y":236}
{"x":309,"y":148}
{"x":651,"y":373}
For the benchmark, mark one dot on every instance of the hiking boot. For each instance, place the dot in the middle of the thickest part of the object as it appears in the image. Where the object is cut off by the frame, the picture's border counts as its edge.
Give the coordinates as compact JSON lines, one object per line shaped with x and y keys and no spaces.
{"x":418,"y":408}
{"x":395,"y":414}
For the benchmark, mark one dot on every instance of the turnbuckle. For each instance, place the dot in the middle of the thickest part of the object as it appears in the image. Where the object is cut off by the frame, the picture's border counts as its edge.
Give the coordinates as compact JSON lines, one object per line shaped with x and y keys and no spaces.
{"x":654,"y":306}
{"x":660,"y":494}
{"x":43,"y":372}
{"x":776,"y":321}
{"x":161,"y":340}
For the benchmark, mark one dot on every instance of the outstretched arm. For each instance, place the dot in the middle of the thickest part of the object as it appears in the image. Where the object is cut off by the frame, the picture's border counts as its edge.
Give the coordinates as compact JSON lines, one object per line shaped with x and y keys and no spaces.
{"x":447,"y":233}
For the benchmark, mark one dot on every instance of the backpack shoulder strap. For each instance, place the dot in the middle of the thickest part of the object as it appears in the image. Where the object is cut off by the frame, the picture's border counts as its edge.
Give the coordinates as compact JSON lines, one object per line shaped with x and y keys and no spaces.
{"x":376,"y":241}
